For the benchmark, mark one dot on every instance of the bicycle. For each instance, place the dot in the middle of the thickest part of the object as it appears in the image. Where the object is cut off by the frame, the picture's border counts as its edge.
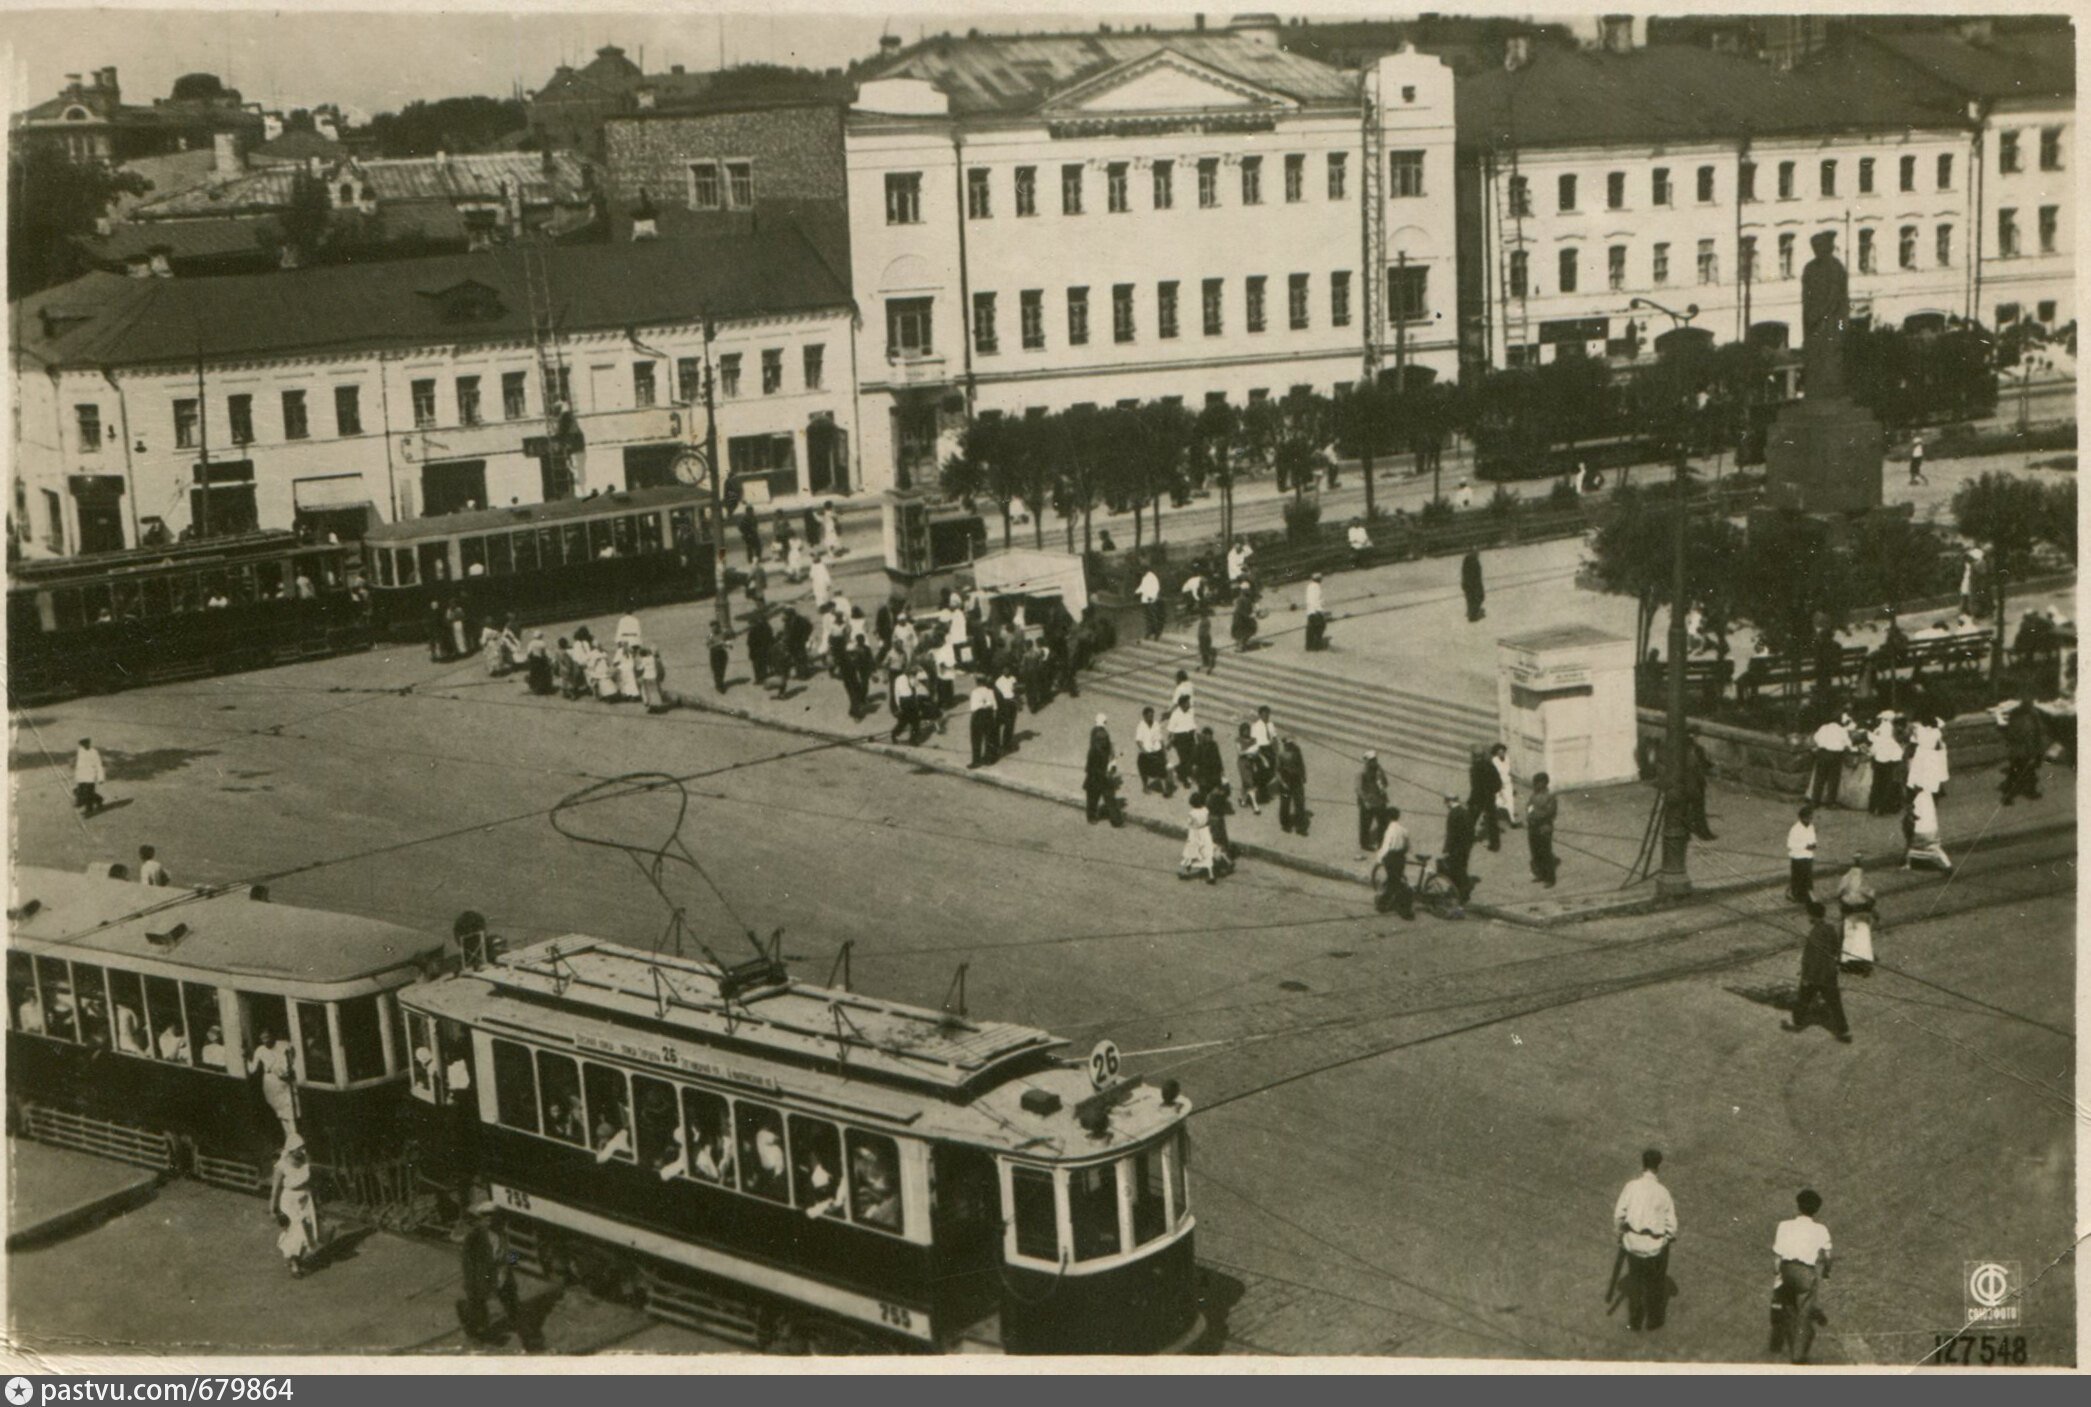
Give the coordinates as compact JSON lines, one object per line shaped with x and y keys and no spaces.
{"x":1433,"y":888}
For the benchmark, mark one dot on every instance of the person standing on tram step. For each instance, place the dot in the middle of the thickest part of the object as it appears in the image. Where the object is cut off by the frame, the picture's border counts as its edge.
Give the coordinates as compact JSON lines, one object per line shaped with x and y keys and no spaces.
{"x":150,"y":871}
{"x":290,"y":1202}
{"x":276,"y":1062}
{"x":1470,"y":585}
{"x":454,"y":618}
{"x":438,"y":633}
{"x":1645,"y":1221}
{"x":88,"y":776}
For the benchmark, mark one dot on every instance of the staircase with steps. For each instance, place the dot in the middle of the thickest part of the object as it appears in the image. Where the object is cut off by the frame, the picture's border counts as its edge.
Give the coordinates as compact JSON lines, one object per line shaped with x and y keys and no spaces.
{"x":1321,"y":707}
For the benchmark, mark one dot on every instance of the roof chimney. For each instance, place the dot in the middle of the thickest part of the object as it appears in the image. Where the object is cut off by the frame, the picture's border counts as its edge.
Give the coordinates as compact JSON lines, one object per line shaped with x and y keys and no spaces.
{"x":226,"y":157}
{"x":889,"y":43}
{"x":675,"y":68}
{"x":105,"y":79}
{"x":1198,"y":22}
{"x":1258,"y":29}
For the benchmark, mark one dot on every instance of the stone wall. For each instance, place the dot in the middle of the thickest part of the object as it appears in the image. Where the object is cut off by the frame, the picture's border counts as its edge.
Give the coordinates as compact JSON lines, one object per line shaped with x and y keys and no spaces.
{"x":796,"y":152}
{"x":1782,"y":762}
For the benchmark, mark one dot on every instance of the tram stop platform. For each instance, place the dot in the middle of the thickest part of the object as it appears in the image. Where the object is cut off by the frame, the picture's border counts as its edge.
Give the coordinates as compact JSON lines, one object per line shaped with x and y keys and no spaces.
{"x":52,"y":1192}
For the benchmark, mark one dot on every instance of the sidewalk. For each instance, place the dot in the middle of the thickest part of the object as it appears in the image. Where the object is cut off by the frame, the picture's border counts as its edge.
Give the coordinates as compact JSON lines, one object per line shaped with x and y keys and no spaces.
{"x":55,"y":1191}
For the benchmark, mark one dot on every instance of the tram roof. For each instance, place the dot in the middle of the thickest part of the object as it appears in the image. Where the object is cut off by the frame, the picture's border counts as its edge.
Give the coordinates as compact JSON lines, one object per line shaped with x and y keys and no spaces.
{"x":229,"y":934}
{"x":201,"y":553}
{"x":525,"y":515}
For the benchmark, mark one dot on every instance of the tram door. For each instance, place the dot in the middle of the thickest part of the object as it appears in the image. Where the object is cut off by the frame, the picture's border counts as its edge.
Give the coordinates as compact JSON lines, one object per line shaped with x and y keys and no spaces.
{"x":966,"y":1222}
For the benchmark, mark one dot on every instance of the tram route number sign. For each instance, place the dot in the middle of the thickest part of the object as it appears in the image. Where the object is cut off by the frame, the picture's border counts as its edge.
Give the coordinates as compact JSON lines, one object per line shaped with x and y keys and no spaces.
{"x":1103,"y":1064}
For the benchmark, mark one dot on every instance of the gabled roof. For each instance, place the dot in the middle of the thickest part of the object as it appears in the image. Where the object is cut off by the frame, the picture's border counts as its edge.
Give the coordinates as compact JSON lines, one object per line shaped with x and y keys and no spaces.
{"x":182,"y":239}
{"x":2011,"y":63}
{"x":472,"y":176}
{"x":1018,"y":73}
{"x":298,"y":146}
{"x":107,"y":319}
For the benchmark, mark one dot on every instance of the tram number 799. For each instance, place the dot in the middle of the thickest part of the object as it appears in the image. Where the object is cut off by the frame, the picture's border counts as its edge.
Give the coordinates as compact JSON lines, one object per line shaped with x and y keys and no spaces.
{"x":895,"y":1315}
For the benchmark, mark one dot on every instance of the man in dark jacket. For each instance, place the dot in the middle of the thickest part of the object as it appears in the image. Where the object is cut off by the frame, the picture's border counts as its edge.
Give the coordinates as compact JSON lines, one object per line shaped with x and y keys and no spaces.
{"x":1820,"y":954}
{"x":1470,"y":585}
{"x":487,"y":1274}
{"x":1697,"y":766}
{"x":1372,"y":805}
{"x":1096,"y":770}
{"x":1292,"y":786}
{"x":762,"y":643}
{"x":1540,"y":812}
{"x":1459,"y":845}
{"x":1208,"y":767}
{"x":751,"y":532}
{"x":1482,"y":785}
{"x":2025,"y":740}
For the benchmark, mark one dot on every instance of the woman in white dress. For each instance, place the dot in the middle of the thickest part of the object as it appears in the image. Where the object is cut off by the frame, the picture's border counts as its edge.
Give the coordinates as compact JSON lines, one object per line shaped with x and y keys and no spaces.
{"x":1927,"y":762}
{"x":290,"y":1201}
{"x":1197,"y":842}
{"x":627,"y":674}
{"x":1924,"y":847}
{"x":1506,"y":790}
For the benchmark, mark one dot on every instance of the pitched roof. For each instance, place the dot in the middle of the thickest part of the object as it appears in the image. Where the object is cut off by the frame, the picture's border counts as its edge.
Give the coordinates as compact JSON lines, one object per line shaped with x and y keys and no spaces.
{"x":107,"y":319}
{"x":1013,"y":73}
{"x":2011,"y":63}
{"x":471,"y":176}
{"x":297,"y":146}
{"x":182,"y":239}
{"x":1677,"y":92}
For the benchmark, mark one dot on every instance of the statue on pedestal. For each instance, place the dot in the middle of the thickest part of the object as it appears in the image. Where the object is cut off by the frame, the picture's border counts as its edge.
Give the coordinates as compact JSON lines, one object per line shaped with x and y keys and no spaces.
{"x":1825,"y":314}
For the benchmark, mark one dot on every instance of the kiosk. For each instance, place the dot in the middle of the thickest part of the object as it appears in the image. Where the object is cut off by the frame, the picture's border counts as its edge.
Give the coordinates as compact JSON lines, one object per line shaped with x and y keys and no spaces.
{"x":1565,"y":697}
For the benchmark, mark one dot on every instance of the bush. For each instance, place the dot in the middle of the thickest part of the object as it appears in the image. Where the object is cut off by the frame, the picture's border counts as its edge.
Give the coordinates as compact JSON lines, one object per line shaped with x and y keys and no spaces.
{"x":1963,"y":442}
{"x":1503,"y":503}
{"x":1302,"y":520}
{"x":1435,"y":514}
{"x":1561,"y":496}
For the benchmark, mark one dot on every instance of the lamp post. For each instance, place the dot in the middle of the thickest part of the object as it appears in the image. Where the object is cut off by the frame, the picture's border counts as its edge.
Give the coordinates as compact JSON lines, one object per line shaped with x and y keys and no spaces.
{"x":1674,"y":879}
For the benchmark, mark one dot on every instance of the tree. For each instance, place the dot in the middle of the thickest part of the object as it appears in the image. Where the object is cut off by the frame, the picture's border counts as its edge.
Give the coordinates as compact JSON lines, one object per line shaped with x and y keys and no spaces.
{"x":1298,"y":432}
{"x":1083,"y":438}
{"x":197,"y":88}
{"x":304,"y":221}
{"x":451,"y":124}
{"x":1788,"y":578}
{"x":52,"y":200}
{"x":2008,"y":515}
{"x":980,"y":468}
{"x":1630,"y":555}
{"x":1215,"y":453}
{"x":1365,"y":420}
{"x":1152,"y":460}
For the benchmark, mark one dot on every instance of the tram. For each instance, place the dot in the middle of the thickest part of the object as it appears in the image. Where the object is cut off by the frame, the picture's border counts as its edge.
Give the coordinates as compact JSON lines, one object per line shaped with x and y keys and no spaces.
{"x":543,"y":561}
{"x":807,"y":1165}
{"x":132,"y":1013}
{"x":82,"y":625}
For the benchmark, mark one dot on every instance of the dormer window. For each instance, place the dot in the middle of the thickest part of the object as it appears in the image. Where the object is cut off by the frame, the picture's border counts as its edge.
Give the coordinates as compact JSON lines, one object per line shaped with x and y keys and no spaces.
{"x":469,"y":301}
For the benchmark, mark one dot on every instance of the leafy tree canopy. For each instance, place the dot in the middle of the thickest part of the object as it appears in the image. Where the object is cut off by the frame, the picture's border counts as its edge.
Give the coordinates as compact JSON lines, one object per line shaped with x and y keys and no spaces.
{"x":448,"y":124}
{"x":51,"y":199}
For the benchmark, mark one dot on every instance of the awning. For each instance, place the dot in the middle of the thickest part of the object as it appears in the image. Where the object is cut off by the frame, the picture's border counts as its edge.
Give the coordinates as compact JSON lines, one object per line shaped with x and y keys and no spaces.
{"x":331,"y":491}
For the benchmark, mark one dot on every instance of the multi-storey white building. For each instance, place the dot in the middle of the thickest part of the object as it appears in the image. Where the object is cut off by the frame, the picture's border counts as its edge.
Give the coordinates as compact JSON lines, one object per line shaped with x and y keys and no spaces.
{"x":1692,"y":179}
{"x":1042,"y":221}
{"x":157,"y":406}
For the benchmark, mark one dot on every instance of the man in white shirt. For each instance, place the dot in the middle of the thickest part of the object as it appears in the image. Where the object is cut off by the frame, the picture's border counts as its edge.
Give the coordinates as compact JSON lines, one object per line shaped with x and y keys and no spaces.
{"x":1832,"y":747}
{"x":1152,"y":749}
{"x":823,"y":583}
{"x":1317,"y":616}
{"x":906,"y":707}
{"x":88,"y":776}
{"x":1360,"y":540}
{"x":1801,"y":1249}
{"x":1005,"y":708}
{"x":1263,"y":735}
{"x":1800,"y":856}
{"x":1465,"y":497}
{"x":1238,"y":561}
{"x":1150,"y":594}
{"x":982,"y":704}
{"x":1645,"y":1220}
{"x":1393,"y":861}
{"x":1183,"y":736}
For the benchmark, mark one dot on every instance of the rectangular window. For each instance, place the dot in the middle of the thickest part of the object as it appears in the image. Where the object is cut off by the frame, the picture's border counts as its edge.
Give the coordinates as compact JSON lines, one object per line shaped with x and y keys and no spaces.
{"x":1296,"y":301}
{"x":1164,"y":185}
{"x":1031,"y":312}
{"x":1566,"y":264}
{"x":1659,"y":271}
{"x":1208,"y":182}
{"x":362,"y":1045}
{"x":812,"y":364}
{"x":1408,"y":297}
{"x":1071,"y":188}
{"x":1118,"y":199}
{"x":903,"y":197}
{"x":772,"y":371}
{"x":515,"y":392}
{"x":765,"y":1171}
{"x":2045,"y":309}
{"x":705,"y":192}
{"x":1027,"y":190}
{"x":123,"y":1008}
{"x":1786,"y":255}
{"x":2050,"y":150}
{"x":984,"y":323}
{"x":1945,"y":173}
{"x":1908,"y":173}
{"x":1295,"y":179}
{"x":1706,"y":185}
{"x":1149,"y":1199}
{"x":740,"y":185}
{"x":1122,"y":312}
{"x":559,"y":1099}
{"x":1252,"y":302}
{"x":1092,"y":1207}
{"x":1520,"y":273}
{"x":907,"y":332}
{"x":239,"y":411}
{"x":1615,"y":190}
{"x":1746,"y":259}
{"x":707,"y":1138}
{"x":816,"y":1166}
{"x":654,"y":1125}
{"x":2007,"y":233}
{"x":1339,"y":175}
{"x":1709,"y":262}
{"x":206,"y":1034}
{"x":1746,"y":181}
{"x":1615,"y":267}
{"x":2007,"y":314}
{"x":1827,"y":178}
{"x":315,"y":1047}
{"x":609,"y":1113}
{"x":1865,"y":175}
{"x":296,"y":425}
{"x":58,"y":1010}
{"x":874,"y":1181}
{"x":1339,"y":298}
{"x":1786,"y":171}
{"x":1077,"y":317}
{"x":468,"y":395}
{"x":1565,"y":194}
{"x":1942,"y":245}
{"x":1405,"y":176}
{"x":1212,"y":294}
{"x":2050,"y":221}
{"x":1252,"y":180}
{"x":348,"y":410}
{"x":1906,"y":247}
{"x":1032,"y":1209}
{"x":730,"y":362}
{"x":87,"y":424}
{"x":2007,"y":153}
{"x":1165,"y":309}
{"x":424,"y":396}
{"x":979,"y":204}
{"x":1866,"y":253}
{"x":1659,"y":186}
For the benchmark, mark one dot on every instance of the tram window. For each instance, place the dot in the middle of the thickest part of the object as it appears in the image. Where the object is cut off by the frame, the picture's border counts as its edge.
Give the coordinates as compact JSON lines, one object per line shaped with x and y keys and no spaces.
{"x":649,"y":532}
{"x":315,"y":1049}
{"x":602,"y":541}
{"x":609,"y":1113}
{"x":526,"y":551}
{"x":559,"y":1095}
{"x":684,"y":526}
{"x":22,"y":1005}
{"x":1092,"y":1205}
{"x":471,"y":552}
{"x":874,"y":1181}
{"x":261,"y":1013}
{"x":500,"y":555}
{"x":128,"y":603}
{"x":653,"y":1122}
{"x":127,"y":997}
{"x":548,"y":553}
{"x":164,"y":1022}
{"x":182,"y":594}
{"x":708,"y":1134}
{"x":95,"y":601}
{"x":763,"y":1165}
{"x":816,"y":1166}
{"x":91,"y":1003}
{"x":1150,"y":1202}
{"x":153,"y":597}
{"x":206,"y":1028}
{"x":421,"y":1062}
{"x":264,"y":581}
{"x":57,"y":985}
{"x":69,"y":609}
{"x":625,"y":533}
{"x":1179,"y":1192}
{"x":576,"y":549}
{"x":362,"y":1042}
{"x":515,"y":1080}
{"x":1031,"y":1192}
{"x":382,"y":560}
{"x":404,"y":558}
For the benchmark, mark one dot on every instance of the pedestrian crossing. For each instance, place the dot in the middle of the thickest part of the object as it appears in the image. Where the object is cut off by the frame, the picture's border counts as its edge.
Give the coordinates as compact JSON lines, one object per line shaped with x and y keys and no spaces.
{"x":1344,"y":714}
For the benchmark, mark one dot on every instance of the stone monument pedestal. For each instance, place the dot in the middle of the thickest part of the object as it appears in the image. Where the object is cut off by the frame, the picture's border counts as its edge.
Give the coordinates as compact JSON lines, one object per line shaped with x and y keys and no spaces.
{"x":1825,"y":456}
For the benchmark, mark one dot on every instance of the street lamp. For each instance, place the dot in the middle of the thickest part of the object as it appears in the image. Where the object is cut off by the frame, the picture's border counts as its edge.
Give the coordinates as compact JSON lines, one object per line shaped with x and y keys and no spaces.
{"x":1674,"y":879}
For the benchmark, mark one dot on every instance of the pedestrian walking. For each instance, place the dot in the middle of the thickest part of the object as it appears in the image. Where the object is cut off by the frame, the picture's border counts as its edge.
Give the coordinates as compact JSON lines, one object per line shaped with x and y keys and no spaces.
{"x":1317,"y":616}
{"x":716,"y":648}
{"x":981,"y":710}
{"x":1645,"y":1221}
{"x":291,"y":1204}
{"x":1372,"y":805}
{"x":1920,"y":825}
{"x":88,"y":775}
{"x":1540,"y":814}
{"x":1832,"y":745}
{"x":1292,"y":787}
{"x":1151,"y":755}
{"x":1929,"y":766}
{"x":1967,"y":580}
{"x":1884,"y":749}
{"x":1801,"y":1255}
{"x":1243,"y":629}
{"x":1096,"y":770}
{"x":751,"y":533}
{"x":627,"y":633}
{"x":1855,"y":908}
{"x":1470,"y":585}
{"x":1800,"y":856}
{"x":1263,"y":733}
{"x":1506,"y":786}
{"x":486,"y":1272}
{"x":1248,"y":764}
{"x":150,"y":871}
{"x":1150,"y":594}
{"x":1198,"y":855}
{"x":1482,"y":784}
{"x":1182,"y":728}
{"x":1916,"y":462}
{"x":1459,"y":845}
{"x":1208,"y":766}
{"x":1005,"y":709}
{"x":1391,"y":867}
{"x":438,"y":634}
{"x":1464,"y":497}
{"x":1697,"y":768}
{"x":1822,"y":953}
{"x":454,"y":617}
{"x":1219,"y":805}
{"x":762,"y":646}
{"x":2025,"y":741}
{"x":901,"y":686}
{"x":1208,"y":653}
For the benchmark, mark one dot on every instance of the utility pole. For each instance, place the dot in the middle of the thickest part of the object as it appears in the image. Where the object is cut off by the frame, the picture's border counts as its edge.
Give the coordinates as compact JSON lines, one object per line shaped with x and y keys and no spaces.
{"x":203,"y":440}
{"x":723,"y":609}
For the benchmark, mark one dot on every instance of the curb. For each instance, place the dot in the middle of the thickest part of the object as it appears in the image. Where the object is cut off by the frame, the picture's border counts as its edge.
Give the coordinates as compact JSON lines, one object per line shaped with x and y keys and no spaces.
{"x":82,"y":1215}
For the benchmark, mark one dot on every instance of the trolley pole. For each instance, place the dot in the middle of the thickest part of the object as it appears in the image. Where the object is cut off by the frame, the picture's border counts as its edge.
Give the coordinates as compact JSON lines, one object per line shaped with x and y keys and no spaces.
{"x":1674,"y":880}
{"x":720,"y":604}
{"x":203,"y":442}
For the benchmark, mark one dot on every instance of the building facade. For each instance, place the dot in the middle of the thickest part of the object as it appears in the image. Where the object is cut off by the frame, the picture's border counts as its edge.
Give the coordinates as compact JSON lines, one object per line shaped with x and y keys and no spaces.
{"x":723,"y":162}
{"x":1038,"y":222}
{"x":407,"y":389}
{"x":90,"y":121}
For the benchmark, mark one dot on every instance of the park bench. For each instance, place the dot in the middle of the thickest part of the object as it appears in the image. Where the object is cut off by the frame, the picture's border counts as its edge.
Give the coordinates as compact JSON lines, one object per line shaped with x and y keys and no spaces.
{"x":1704,"y":680}
{"x":1949,"y":654}
{"x":1767,"y":671}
